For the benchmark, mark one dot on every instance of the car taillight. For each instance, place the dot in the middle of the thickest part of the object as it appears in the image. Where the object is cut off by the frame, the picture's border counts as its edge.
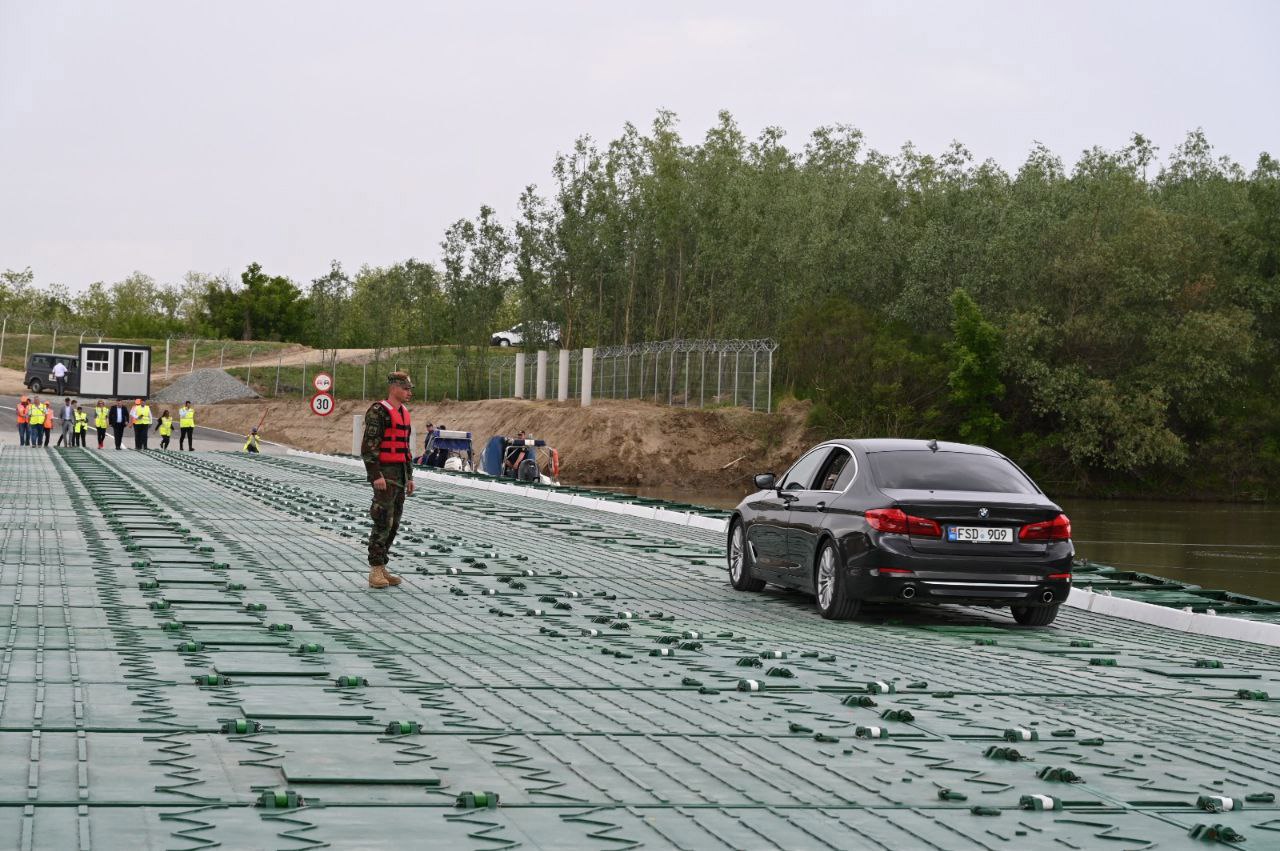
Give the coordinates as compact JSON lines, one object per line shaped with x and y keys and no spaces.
{"x":897,"y":521}
{"x":1057,"y":529}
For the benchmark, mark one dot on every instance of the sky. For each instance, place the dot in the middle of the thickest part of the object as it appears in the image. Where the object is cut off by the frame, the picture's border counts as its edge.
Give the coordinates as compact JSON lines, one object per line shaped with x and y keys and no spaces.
{"x":165,"y":137}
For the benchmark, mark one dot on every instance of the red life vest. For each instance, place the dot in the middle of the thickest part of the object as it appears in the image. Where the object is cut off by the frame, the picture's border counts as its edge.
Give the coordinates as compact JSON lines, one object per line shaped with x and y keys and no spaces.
{"x":394,"y":448}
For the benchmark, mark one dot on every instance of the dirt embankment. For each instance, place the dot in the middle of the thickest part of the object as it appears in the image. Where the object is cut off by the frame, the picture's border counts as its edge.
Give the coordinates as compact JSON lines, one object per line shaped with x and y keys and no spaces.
{"x":11,"y":382}
{"x":612,"y":442}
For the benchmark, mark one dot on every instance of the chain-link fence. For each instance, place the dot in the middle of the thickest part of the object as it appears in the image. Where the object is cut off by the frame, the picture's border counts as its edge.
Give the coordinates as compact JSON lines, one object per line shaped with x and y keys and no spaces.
{"x":689,"y":373}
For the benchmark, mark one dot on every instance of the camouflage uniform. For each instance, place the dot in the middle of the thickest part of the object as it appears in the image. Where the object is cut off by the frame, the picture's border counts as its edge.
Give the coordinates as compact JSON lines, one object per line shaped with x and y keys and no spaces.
{"x":387,"y":504}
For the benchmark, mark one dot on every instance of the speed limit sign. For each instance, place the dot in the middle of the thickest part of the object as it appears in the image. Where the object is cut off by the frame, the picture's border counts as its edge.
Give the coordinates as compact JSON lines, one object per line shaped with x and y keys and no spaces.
{"x":322,"y":404}
{"x":323,"y":382}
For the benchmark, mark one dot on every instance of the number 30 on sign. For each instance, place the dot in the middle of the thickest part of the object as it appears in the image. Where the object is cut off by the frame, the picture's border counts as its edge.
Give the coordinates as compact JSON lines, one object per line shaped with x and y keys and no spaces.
{"x":322,"y":404}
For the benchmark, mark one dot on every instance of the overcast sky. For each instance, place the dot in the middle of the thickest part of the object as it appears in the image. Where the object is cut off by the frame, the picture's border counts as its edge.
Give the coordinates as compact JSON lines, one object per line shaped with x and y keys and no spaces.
{"x":172,"y":136}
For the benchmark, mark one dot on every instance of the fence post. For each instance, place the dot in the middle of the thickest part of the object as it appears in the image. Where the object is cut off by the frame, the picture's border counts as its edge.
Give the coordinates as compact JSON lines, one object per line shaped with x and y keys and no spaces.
{"x":248,"y":376}
{"x":540,"y":388}
{"x":702,"y":381}
{"x":27,"y":351}
{"x":457,"y":382}
{"x":222,"y":354}
{"x":3,"y":328}
{"x":735,"y":377}
{"x":279,"y":360}
{"x":166,"y":355}
{"x":657,"y":362}
{"x":364,"y":379}
{"x":686,"y":378}
{"x":562,"y":380}
{"x":194,"y":343}
{"x":754,"y":360}
{"x":304,"y":375}
{"x":768,"y":405}
{"x":584,"y":384}
{"x":519,"y":380}
{"x":671,"y":378}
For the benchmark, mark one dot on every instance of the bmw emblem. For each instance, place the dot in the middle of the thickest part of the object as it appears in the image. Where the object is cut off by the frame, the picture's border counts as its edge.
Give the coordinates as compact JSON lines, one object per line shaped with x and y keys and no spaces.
{"x":982,"y":512}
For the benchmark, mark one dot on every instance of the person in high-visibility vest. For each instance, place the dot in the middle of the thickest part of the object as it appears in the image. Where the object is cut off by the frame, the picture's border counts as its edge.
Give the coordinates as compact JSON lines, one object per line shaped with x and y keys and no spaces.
{"x":187,"y":426}
{"x":140,"y":416}
{"x":165,"y":429}
{"x":35,"y":422}
{"x":48,"y":424}
{"x":251,"y":442}
{"x":24,"y":431}
{"x":100,"y":421}
{"x":80,"y":426}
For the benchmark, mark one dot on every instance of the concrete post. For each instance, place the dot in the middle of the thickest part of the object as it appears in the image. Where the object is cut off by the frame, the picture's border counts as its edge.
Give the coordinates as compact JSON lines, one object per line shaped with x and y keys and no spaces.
{"x":588,"y":355}
{"x":541,"y":388}
{"x":562,"y":385}
{"x":357,"y":430}
{"x":519,"y":394}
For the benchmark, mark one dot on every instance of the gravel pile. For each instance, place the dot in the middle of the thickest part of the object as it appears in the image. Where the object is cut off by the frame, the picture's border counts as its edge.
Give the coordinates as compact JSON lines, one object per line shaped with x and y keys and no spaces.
{"x":204,"y":387}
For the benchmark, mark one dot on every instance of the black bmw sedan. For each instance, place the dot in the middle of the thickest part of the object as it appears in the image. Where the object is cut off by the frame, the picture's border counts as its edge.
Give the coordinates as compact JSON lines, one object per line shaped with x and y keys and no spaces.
{"x":857,"y":521}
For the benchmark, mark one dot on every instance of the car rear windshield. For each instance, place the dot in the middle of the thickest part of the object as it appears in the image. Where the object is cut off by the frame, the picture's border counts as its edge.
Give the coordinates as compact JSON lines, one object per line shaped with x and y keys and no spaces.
{"x":947,"y":471}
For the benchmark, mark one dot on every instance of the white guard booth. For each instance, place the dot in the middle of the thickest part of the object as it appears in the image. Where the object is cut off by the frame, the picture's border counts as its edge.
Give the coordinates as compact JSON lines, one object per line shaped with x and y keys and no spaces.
{"x":115,"y":370}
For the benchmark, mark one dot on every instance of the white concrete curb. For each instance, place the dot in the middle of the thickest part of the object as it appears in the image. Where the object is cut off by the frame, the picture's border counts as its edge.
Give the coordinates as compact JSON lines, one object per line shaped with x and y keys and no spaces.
{"x":647,"y":512}
{"x":1194,"y":623}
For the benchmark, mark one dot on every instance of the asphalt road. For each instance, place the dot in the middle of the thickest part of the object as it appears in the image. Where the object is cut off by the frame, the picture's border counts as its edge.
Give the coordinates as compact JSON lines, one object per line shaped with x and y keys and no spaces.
{"x":206,"y":439}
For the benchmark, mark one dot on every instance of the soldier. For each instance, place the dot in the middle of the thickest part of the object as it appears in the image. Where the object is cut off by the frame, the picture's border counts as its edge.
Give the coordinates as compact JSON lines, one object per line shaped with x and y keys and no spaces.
{"x":385,"y":451}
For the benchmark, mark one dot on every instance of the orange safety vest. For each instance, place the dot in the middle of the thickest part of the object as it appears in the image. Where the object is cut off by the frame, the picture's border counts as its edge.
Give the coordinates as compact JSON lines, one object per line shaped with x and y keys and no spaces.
{"x":48,"y":418}
{"x":22,"y":413}
{"x":394,"y":448}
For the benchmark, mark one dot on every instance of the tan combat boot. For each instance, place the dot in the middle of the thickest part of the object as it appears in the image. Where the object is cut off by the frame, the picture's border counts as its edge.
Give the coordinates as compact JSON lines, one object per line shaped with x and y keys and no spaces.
{"x":378,"y":577}
{"x":391,"y":577}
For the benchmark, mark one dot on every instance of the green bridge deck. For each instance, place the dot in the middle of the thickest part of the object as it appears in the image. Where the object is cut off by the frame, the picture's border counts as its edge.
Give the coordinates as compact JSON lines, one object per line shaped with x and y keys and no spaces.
{"x":189,"y":658}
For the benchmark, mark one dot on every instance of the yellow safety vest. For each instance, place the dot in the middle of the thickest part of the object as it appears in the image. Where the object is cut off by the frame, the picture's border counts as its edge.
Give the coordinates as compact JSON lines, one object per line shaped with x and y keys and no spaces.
{"x":100,"y":417}
{"x":82,"y":422}
{"x":252,"y":441}
{"x":166,"y":426}
{"x":186,"y":418}
{"x":143,"y":416}
{"x":35,"y":415}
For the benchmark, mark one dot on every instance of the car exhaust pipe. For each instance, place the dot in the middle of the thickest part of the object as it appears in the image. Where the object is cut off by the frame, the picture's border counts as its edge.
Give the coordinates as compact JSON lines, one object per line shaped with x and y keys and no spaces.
{"x":1046,"y":597}
{"x":908,"y":592}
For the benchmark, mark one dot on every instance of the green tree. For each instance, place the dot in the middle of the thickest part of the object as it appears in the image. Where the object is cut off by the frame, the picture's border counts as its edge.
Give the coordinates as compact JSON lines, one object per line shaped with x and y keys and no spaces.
{"x":976,"y":388}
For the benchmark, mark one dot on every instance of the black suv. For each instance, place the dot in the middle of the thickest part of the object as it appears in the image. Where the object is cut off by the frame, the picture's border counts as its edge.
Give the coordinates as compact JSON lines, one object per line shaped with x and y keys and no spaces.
{"x":39,"y":376}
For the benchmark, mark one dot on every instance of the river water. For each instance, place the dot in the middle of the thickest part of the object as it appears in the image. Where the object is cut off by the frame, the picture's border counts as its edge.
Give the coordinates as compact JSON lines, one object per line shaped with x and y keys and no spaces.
{"x":1214,"y":545}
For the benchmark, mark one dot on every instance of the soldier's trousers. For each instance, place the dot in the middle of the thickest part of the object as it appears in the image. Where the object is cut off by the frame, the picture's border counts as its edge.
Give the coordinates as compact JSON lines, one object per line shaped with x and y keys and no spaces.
{"x":385,"y":511}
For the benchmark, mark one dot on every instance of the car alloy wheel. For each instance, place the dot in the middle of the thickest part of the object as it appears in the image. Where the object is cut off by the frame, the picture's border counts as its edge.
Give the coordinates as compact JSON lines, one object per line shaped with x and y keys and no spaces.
{"x":826,"y":577}
{"x":735,"y":554}
{"x":740,"y":561}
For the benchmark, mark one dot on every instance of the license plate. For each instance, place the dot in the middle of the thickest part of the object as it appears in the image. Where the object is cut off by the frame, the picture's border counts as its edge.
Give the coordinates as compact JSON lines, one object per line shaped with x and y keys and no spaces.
{"x":980,"y":534}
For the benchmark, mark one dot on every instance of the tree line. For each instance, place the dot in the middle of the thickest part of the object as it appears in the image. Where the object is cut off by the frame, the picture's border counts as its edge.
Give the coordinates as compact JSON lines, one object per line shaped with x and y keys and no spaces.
{"x":1113,"y":324}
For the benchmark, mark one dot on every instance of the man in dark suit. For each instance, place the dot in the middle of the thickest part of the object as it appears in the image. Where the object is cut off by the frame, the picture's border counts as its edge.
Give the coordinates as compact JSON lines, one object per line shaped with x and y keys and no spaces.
{"x":118,"y":419}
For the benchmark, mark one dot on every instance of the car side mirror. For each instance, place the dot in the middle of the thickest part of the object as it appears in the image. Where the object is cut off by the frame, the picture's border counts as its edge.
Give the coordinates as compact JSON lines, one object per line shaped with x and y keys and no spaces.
{"x":766,"y":481}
